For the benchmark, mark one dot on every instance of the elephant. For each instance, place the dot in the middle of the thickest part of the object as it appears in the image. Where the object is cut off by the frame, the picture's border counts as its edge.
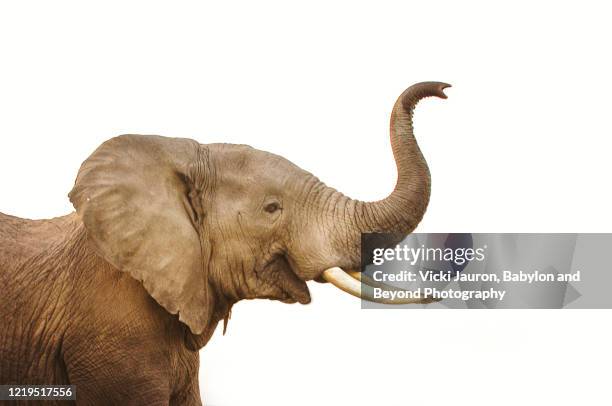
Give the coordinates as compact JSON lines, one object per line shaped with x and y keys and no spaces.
{"x":118,"y":297}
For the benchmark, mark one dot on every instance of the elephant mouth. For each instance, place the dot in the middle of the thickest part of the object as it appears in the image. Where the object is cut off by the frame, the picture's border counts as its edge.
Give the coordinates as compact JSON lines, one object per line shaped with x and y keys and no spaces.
{"x":284,"y":283}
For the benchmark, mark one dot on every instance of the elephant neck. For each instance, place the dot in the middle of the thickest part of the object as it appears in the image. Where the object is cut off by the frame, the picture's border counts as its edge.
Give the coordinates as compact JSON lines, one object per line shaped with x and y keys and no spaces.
{"x":222,"y":311}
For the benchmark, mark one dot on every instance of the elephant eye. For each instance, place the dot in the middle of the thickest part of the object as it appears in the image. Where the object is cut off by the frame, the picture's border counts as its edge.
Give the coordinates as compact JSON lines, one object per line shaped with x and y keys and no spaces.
{"x":272,"y":207}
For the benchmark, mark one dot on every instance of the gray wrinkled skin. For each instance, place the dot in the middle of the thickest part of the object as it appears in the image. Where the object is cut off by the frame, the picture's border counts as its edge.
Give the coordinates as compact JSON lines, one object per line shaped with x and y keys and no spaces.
{"x":168,"y":234}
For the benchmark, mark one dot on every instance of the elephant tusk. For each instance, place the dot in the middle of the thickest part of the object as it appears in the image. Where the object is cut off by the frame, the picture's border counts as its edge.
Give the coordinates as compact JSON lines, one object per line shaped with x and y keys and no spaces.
{"x":366,"y":280}
{"x":361,"y":277}
{"x":353,"y":286}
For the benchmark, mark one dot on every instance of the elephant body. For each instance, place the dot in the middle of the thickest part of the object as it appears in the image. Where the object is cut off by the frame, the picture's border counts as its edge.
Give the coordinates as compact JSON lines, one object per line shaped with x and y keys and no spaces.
{"x":57,"y":326}
{"x":168,"y":234}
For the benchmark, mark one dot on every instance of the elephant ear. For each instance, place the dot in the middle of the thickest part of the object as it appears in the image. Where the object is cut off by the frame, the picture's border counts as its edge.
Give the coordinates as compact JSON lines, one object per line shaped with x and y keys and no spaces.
{"x":134,"y":194}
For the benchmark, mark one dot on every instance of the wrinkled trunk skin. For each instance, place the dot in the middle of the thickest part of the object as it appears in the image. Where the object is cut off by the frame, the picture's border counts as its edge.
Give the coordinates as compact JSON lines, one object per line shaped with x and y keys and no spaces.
{"x":403,"y":209}
{"x":70,"y":318}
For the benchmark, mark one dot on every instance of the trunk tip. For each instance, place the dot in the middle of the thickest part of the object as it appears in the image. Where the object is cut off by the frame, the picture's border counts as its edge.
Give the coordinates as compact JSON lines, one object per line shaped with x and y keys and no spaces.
{"x":441,"y":87}
{"x":414,"y":93}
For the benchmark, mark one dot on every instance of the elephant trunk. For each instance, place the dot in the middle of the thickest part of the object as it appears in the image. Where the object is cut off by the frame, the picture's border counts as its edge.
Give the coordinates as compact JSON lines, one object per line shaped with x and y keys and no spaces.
{"x":401,"y":211}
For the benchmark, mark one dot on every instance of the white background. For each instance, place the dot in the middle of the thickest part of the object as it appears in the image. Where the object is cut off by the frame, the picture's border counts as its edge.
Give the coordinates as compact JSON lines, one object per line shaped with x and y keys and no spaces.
{"x":521,"y":145}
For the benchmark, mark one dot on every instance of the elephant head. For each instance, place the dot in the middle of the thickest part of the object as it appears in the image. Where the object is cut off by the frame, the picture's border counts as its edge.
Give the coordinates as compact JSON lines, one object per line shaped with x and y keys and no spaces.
{"x":203,"y":226}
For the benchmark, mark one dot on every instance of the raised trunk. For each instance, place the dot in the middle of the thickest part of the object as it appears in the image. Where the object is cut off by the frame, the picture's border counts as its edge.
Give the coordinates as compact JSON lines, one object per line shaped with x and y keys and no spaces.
{"x":403,"y":209}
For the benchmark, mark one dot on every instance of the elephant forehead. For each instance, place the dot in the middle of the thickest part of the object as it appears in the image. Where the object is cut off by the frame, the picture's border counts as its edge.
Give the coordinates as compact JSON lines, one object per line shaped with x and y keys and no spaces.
{"x":241,"y":165}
